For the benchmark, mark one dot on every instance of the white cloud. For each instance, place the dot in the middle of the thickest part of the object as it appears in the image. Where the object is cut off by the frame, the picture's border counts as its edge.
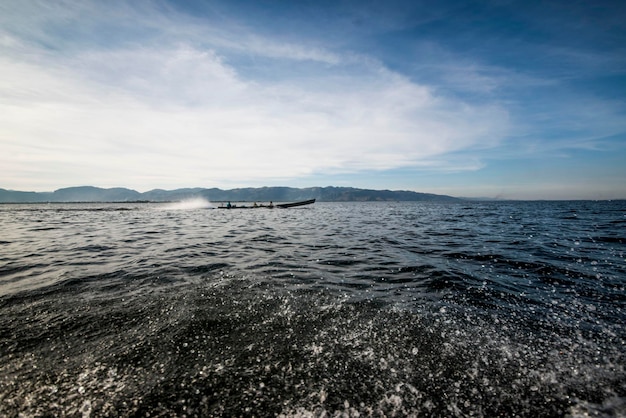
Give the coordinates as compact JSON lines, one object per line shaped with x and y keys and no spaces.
{"x":180,"y":114}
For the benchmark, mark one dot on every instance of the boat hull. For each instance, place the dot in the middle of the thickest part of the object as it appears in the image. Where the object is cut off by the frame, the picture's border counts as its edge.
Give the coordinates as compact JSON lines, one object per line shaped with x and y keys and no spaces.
{"x":280,"y":205}
{"x":294,"y":204}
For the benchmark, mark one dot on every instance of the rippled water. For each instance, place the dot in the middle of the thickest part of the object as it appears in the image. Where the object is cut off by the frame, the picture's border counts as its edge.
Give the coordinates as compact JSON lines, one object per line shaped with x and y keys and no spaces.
{"x":361,"y":309}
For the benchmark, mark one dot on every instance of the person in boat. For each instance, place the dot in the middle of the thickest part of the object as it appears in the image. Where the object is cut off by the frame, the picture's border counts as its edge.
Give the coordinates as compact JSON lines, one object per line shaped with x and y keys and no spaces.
{"x":271,"y":205}
{"x":228,"y":205}
{"x":255,"y":205}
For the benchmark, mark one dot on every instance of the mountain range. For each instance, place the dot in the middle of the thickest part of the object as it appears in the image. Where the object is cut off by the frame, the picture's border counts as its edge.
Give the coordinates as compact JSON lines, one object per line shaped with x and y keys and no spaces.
{"x":259,"y":194}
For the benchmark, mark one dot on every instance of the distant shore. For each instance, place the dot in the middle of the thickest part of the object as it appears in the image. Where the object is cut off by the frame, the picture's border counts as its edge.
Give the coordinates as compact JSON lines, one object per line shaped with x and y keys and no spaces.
{"x":90,"y":194}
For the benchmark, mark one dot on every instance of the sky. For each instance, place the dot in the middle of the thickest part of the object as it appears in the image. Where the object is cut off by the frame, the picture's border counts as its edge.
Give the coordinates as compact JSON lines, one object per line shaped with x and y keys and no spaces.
{"x":499,"y":99}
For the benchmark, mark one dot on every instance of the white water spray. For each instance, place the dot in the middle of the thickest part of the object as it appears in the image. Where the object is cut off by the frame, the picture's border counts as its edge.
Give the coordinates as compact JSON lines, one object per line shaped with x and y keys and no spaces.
{"x":189,"y":204}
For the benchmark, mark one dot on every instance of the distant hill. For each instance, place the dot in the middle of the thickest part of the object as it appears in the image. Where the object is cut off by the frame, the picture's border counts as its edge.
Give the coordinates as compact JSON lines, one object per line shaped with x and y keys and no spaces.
{"x":95,"y":194}
{"x":259,"y":194}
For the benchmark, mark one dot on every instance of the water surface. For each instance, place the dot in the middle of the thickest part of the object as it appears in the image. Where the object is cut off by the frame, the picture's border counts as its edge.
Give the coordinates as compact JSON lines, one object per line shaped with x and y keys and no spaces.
{"x":364,"y":309}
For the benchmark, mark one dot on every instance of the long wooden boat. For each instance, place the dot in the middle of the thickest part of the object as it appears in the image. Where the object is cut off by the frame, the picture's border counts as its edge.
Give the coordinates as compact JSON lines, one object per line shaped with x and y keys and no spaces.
{"x":270,"y":206}
{"x":294,"y":204}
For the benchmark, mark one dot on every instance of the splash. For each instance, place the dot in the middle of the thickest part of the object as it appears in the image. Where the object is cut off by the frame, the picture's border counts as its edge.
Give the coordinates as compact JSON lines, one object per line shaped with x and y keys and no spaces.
{"x":189,"y":204}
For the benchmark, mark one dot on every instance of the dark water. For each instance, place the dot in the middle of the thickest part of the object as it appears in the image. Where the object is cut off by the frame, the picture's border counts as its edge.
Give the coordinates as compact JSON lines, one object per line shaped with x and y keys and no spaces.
{"x":390,"y":309}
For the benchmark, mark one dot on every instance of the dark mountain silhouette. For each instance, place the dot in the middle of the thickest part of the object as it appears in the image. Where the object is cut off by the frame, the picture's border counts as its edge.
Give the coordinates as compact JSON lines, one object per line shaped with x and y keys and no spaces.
{"x":259,"y":194}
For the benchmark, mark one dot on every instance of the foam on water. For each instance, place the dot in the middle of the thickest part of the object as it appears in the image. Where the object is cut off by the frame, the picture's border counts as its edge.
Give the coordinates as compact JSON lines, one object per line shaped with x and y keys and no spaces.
{"x":237,"y":346}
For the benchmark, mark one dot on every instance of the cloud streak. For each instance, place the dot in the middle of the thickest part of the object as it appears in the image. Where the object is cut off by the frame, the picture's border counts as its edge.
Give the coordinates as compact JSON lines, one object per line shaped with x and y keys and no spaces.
{"x":184,"y":112}
{"x":145,"y":95}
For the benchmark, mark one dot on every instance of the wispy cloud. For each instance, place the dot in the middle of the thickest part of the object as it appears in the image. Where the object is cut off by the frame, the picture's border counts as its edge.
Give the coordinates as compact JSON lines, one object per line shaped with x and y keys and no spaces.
{"x":144,"y":94}
{"x":185,"y":111}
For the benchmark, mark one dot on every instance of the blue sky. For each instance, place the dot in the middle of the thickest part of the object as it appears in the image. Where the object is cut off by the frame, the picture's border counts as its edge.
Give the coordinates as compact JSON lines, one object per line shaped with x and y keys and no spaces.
{"x":518,"y":100}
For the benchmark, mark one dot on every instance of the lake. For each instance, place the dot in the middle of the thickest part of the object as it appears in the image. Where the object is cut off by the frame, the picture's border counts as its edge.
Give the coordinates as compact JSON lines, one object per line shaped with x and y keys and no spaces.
{"x":332,"y":309}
